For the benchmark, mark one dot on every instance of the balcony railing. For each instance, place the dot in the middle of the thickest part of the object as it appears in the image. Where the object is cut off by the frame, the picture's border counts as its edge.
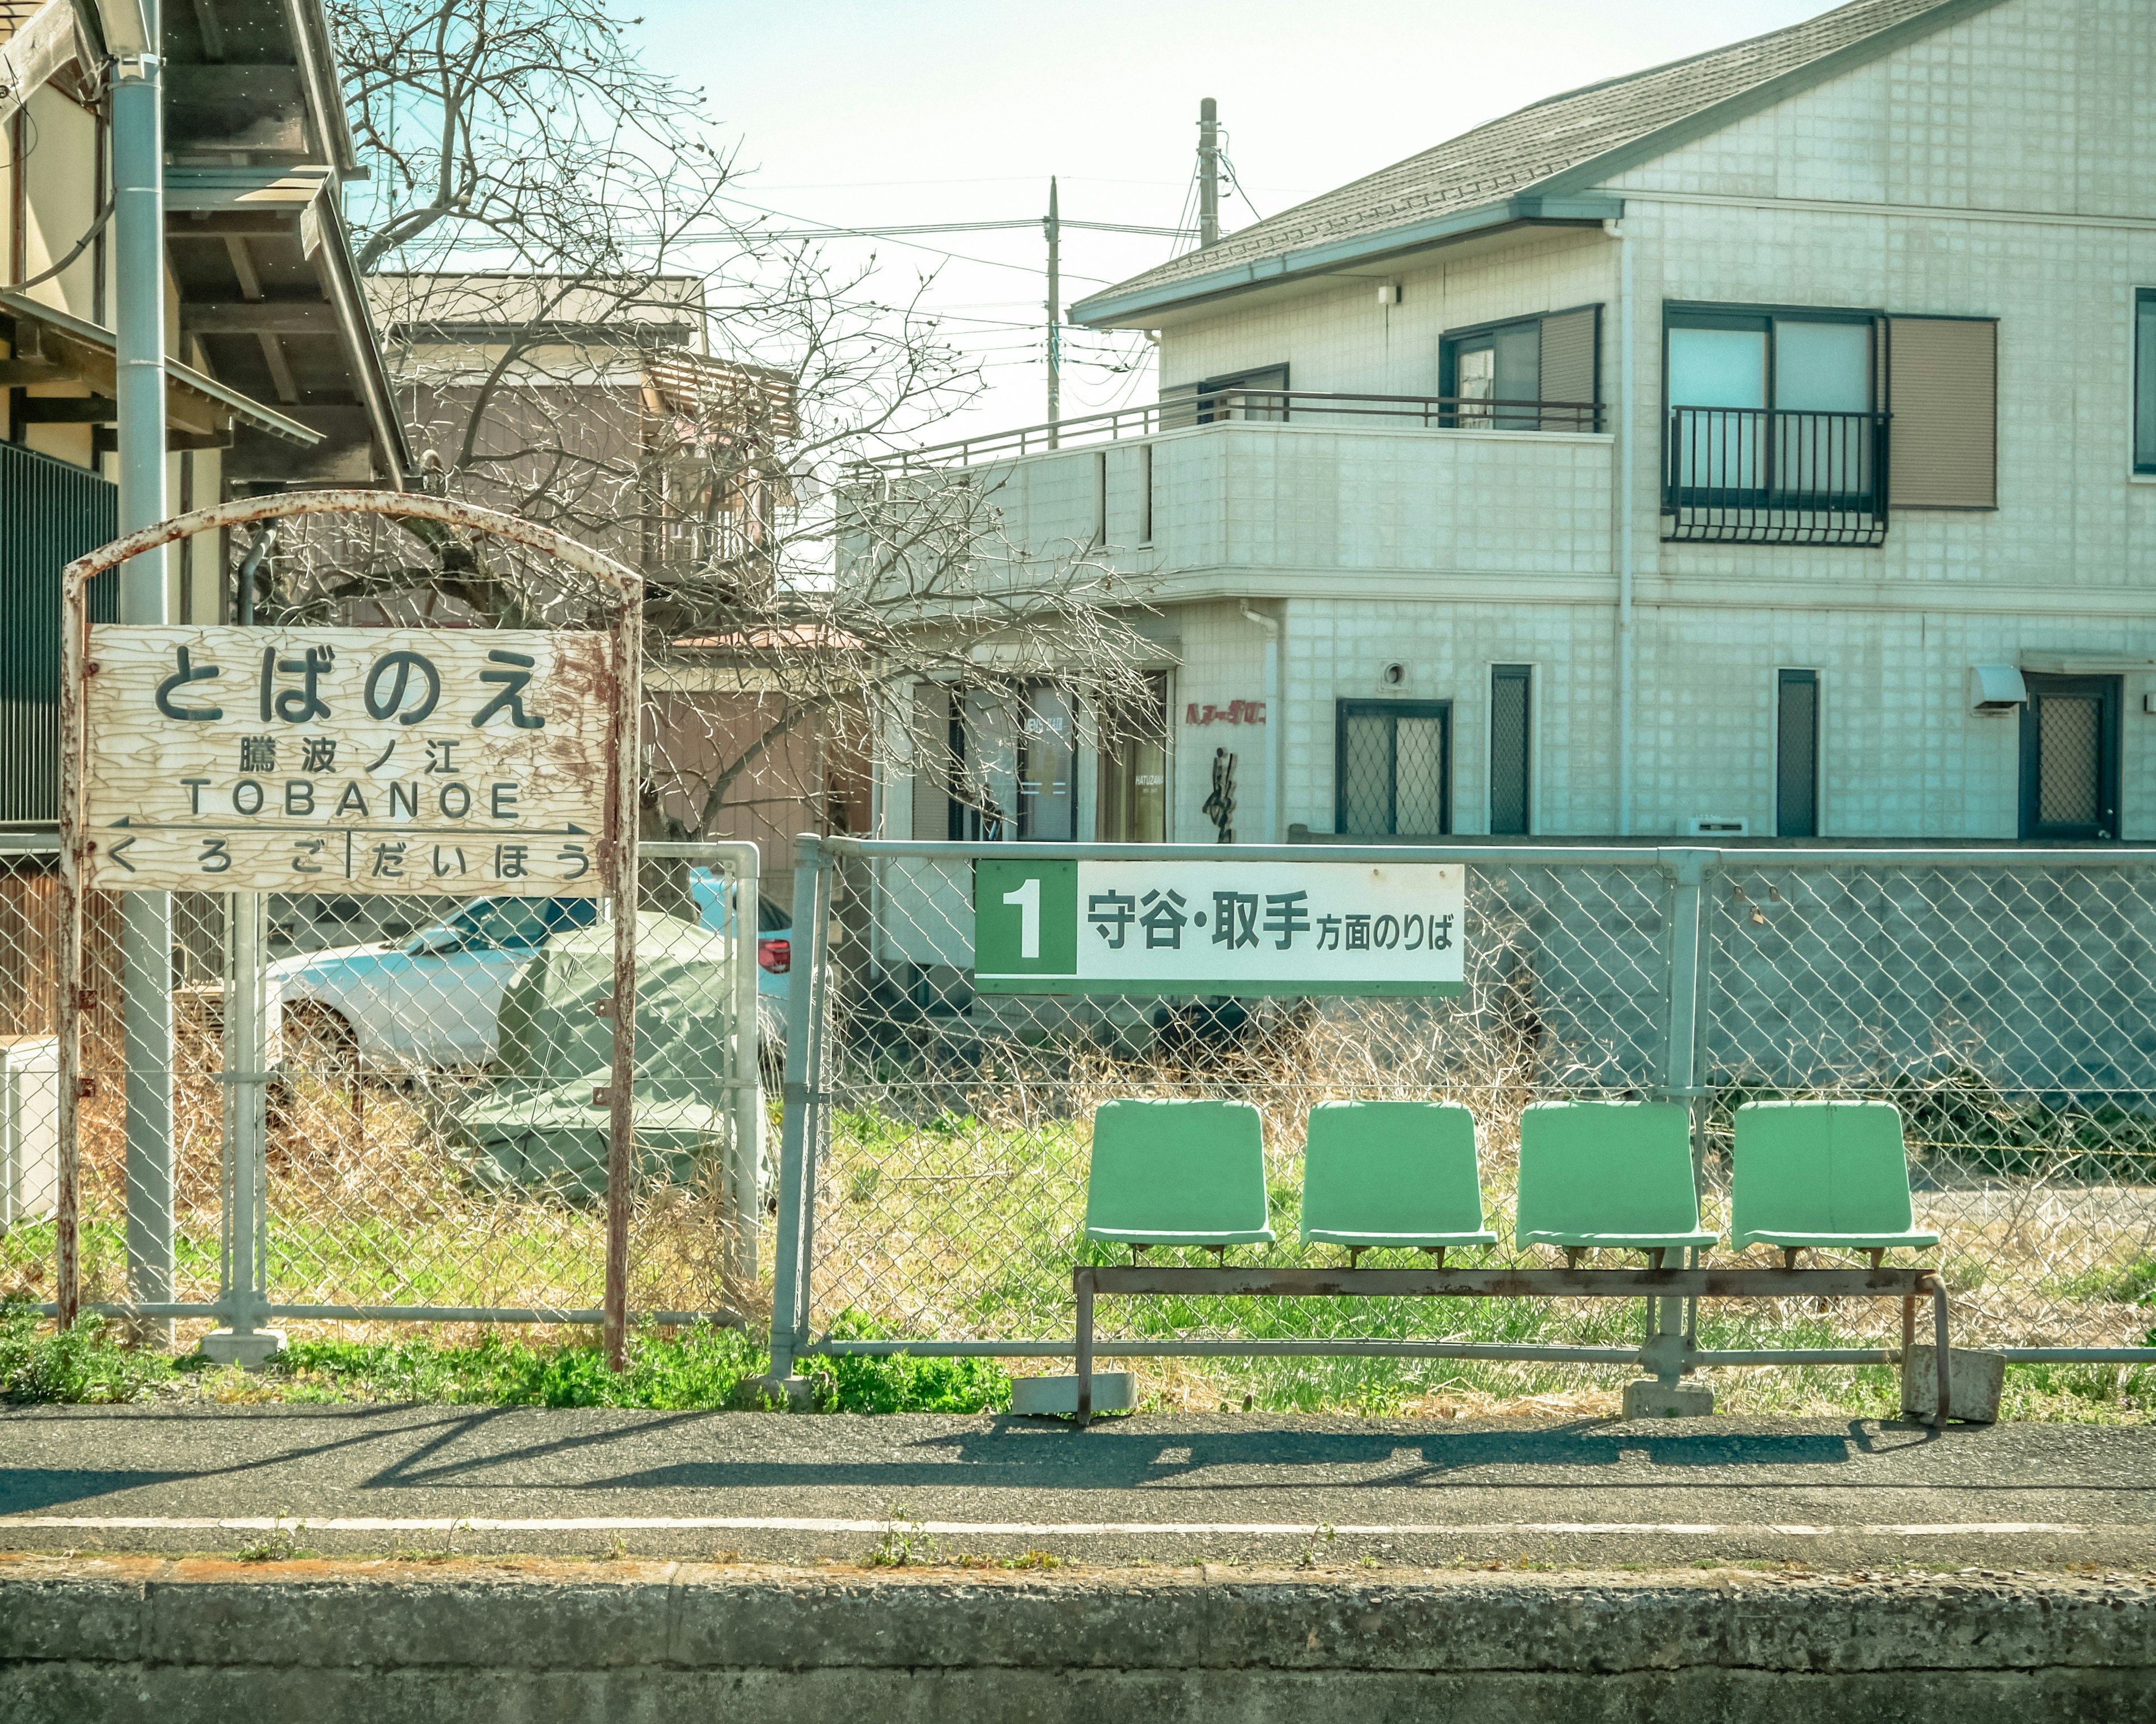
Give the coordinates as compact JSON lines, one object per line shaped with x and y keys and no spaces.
{"x":1302,"y":407}
{"x":1761,"y":476}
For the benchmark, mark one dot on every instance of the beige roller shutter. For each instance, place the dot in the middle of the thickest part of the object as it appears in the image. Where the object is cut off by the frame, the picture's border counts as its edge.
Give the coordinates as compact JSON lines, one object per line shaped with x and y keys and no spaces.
{"x":1944,"y":376}
{"x":932,"y":762}
{"x":1568,"y":367}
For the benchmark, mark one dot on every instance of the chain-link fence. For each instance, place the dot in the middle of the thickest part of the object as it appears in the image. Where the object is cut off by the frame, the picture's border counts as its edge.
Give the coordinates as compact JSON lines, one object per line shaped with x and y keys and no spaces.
{"x":938,"y":1139}
{"x":428,"y":1137}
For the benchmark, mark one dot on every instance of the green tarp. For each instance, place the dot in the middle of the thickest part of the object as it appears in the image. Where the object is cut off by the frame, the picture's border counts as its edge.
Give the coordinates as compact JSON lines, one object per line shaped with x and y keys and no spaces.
{"x":539,"y":1126}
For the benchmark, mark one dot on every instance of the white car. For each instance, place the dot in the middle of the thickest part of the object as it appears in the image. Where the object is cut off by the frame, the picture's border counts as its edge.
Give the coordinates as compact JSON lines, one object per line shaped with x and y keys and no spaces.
{"x":435,"y":999}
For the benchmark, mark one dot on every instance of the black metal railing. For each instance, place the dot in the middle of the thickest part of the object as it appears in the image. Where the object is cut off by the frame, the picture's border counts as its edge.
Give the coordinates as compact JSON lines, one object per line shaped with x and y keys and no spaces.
{"x":1318,"y":408}
{"x":1765,"y":476}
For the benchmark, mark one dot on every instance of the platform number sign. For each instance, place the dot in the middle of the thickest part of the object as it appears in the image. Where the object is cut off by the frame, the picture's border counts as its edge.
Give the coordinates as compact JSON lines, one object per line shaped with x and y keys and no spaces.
{"x":1221,"y":927}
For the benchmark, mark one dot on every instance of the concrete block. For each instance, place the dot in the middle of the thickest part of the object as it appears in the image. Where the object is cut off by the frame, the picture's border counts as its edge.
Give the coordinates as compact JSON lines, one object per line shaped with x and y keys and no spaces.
{"x":249,"y":1351}
{"x":1113,"y":1392}
{"x":1973,"y":1383}
{"x":1650,"y":1397}
{"x":798,"y":1393}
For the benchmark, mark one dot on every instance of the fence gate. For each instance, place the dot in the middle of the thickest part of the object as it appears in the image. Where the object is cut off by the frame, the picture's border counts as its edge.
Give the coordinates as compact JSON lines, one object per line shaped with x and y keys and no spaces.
{"x":443,"y":1045}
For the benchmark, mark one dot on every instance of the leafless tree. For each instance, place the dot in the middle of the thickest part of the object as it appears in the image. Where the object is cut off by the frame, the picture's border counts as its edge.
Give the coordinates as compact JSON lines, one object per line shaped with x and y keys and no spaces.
{"x":589,"y":332}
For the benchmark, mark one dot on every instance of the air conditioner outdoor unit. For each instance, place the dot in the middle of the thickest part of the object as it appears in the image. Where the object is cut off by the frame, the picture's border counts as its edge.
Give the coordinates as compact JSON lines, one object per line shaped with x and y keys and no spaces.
{"x":1717,"y":826}
{"x":29,"y":1128}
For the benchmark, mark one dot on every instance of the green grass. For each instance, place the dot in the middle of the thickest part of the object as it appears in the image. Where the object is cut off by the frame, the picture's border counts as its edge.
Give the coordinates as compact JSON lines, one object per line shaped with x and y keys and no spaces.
{"x":964,"y":1225}
{"x":698,"y":1369}
{"x":915,"y":1230}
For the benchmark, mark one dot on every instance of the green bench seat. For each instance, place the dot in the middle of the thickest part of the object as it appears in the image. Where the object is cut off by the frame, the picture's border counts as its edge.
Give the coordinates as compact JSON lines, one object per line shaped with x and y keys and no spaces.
{"x":1392,"y":1175}
{"x":1822,"y":1175}
{"x":1614,"y":1175}
{"x":1178,"y":1173}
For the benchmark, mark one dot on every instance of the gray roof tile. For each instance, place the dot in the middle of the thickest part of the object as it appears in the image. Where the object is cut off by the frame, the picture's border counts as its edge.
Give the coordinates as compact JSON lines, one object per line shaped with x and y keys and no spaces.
{"x":1494,"y":160}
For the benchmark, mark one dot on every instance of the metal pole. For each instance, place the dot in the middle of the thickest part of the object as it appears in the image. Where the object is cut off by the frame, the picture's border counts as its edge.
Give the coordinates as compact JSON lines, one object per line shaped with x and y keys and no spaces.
{"x":260,"y":543}
{"x":1208,"y":173}
{"x":1679,"y":1058}
{"x":622,"y":807}
{"x":246,"y":1050}
{"x":67,"y":1265}
{"x":747,"y":1196}
{"x":1626,"y":481}
{"x":1054,"y":225}
{"x":1082,"y":1288}
{"x":804,"y":1071}
{"x":1942,"y":1351}
{"x":146,"y":938}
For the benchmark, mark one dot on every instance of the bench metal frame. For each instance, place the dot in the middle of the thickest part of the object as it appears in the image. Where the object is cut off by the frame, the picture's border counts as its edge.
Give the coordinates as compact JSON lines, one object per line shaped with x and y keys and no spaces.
{"x":1907,"y":1285}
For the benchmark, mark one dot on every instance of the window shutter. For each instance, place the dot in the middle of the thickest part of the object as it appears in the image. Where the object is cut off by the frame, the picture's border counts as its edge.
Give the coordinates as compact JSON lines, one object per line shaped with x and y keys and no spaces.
{"x":1178,"y":406}
{"x":1944,"y":373}
{"x":1569,"y":369}
{"x":932,"y":762}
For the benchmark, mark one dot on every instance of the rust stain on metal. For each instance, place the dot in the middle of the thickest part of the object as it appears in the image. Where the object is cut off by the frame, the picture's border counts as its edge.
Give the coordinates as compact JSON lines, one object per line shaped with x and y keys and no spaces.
{"x":627,"y":588}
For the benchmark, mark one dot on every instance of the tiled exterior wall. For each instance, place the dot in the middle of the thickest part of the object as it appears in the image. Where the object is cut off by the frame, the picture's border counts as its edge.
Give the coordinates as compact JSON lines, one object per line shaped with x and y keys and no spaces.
{"x":1999,"y":167}
{"x":1335,"y":337}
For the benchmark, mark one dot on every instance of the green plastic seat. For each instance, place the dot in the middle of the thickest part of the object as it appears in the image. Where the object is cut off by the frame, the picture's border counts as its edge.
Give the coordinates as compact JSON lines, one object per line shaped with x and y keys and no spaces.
{"x":1392,"y":1174}
{"x":1614,"y":1175}
{"x":1178,"y":1173}
{"x":1826,"y":1175}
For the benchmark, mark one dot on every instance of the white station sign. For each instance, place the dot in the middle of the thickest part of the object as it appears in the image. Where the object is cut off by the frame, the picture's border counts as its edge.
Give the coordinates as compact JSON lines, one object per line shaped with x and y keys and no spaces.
{"x":347,"y":760}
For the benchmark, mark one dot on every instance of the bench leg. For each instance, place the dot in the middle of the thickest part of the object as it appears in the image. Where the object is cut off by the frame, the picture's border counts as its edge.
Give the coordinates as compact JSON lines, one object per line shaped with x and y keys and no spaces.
{"x":1908,"y":1326}
{"x":1939,"y":1346}
{"x":1082,"y":1285}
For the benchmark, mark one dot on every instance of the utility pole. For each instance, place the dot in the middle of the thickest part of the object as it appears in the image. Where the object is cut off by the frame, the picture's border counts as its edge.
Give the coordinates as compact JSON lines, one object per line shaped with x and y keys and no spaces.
{"x":145,"y":936}
{"x":1208,"y":173}
{"x":1054,"y":226}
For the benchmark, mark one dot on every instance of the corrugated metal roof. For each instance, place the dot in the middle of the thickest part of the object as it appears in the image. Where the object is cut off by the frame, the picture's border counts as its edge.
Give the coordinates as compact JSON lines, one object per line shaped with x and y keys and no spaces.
{"x":1531,"y":146}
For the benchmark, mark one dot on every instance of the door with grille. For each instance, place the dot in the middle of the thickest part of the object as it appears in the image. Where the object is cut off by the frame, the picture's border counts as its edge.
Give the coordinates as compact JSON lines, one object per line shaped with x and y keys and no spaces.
{"x":1393,"y":768}
{"x":2070,"y":758}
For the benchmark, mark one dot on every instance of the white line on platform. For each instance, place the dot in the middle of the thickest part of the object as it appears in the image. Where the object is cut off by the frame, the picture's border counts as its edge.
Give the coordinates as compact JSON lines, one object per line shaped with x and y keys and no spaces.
{"x":1020,"y":1529}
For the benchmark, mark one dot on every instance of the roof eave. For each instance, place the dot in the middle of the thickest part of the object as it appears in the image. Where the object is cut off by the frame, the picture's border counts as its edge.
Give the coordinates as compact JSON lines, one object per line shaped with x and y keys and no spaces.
{"x":315,"y":49}
{"x":262,"y":416}
{"x":363,"y":345}
{"x":1138,"y":309}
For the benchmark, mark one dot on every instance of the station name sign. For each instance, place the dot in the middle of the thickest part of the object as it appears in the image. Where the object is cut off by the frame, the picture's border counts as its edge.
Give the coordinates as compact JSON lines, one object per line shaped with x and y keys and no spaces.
{"x":346,"y":760}
{"x":1225,"y":927}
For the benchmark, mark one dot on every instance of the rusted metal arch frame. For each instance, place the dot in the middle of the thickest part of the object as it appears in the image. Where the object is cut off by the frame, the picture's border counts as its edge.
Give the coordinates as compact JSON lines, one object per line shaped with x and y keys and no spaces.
{"x":626,"y":589}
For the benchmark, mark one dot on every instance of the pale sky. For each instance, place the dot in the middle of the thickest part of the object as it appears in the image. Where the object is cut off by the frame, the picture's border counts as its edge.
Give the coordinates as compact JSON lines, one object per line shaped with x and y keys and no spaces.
{"x":872,"y":112}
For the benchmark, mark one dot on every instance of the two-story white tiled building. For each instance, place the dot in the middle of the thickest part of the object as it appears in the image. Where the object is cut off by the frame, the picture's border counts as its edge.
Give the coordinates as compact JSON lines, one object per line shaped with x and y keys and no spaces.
{"x":1762,"y":443}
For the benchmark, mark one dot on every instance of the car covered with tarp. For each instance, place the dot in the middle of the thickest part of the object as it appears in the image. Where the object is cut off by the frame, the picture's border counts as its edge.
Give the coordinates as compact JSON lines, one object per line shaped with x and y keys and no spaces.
{"x":538,"y":1124}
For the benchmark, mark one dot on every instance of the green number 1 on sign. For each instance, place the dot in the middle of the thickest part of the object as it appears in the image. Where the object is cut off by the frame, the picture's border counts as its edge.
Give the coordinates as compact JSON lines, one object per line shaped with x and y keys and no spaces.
{"x":1027,"y":897}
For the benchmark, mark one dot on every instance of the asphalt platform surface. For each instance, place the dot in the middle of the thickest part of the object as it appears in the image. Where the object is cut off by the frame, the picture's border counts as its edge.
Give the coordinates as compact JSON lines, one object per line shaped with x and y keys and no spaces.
{"x":1158,"y":1488}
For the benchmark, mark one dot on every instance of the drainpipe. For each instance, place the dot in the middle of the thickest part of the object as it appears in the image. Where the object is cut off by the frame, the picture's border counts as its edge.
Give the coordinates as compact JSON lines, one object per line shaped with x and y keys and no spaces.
{"x":1626,"y":475}
{"x":1274,"y":830}
{"x":146,"y":938}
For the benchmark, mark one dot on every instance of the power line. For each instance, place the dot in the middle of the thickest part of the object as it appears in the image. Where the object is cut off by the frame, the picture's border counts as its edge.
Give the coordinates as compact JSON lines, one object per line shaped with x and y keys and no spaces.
{"x":893,"y":233}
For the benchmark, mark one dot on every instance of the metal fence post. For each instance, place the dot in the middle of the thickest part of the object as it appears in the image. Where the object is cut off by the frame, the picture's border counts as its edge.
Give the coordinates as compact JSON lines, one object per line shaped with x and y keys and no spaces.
{"x":1680,"y":1053}
{"x":245,"y":1292}
{"x":806,"y":1004}
{"x":745,"y":1177}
